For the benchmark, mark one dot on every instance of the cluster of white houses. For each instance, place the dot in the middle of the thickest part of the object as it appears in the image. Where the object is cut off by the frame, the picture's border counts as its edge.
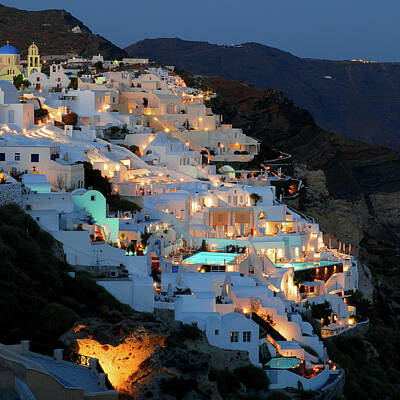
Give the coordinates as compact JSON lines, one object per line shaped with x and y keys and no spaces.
{"x":215,"y":246}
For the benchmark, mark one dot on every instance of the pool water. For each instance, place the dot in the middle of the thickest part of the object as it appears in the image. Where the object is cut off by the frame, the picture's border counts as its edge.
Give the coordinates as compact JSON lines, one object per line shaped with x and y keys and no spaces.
{"x":283,"y":363}
{"x":210,"y":258}
{"x":299,"y":266}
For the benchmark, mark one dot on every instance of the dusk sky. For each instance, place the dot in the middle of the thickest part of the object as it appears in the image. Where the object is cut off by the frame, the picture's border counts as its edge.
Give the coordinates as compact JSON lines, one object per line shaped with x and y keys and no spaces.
{"x":340,"y":29}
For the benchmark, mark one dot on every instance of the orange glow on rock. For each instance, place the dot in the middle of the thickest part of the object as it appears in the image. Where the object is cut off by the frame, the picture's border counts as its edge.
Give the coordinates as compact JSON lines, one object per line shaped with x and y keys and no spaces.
{"x":122,"y":361}
{"x":79,"y":328}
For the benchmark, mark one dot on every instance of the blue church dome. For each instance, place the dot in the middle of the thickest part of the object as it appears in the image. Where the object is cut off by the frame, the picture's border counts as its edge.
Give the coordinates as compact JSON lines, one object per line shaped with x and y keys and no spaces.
{"x":8,"y":49}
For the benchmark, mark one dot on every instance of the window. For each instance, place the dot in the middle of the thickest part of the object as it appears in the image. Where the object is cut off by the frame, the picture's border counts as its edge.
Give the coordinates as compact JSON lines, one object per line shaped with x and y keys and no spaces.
{"x":241,"y":199}
{"x":37,"y":218}
{"x":234,"y":337}
{"x":216,"y":332}
{"x":28,"y":207}
{"x":220,"y":218}
{"x":34,"y":157}
{"x":17,"y":157}
{"x":246,"y":336}
{"x":229,"y":199}
{"x":11,"y":116}
{"x":2,"y":156}
{"x":92,"y":198}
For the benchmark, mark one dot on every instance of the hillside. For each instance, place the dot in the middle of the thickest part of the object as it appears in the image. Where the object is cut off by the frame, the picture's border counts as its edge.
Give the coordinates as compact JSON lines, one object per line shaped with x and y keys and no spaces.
{"x":353,"y":191}
{"x":357,"y":100}
{"x":143,"y":357}
{"x":51,"y":30}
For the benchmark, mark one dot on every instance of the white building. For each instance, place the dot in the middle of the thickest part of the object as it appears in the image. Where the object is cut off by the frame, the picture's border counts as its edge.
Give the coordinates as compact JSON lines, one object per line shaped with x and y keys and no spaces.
{"x":17,"y":116}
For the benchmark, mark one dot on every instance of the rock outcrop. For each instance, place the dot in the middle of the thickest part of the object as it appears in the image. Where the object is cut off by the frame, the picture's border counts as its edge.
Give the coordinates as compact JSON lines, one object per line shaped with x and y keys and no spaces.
{"x":139,"y":352}
{"x":53,"y":31}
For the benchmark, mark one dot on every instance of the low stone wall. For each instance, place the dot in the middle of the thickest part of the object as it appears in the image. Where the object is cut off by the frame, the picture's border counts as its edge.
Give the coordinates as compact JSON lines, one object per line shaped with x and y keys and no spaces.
{"x":10,"y":193}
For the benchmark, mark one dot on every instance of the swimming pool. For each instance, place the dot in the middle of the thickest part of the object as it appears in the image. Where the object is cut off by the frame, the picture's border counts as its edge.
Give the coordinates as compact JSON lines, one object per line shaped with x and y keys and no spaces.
{"x":299,"y":266}
{"x":283,"y":363}
{"x":210,"y":258}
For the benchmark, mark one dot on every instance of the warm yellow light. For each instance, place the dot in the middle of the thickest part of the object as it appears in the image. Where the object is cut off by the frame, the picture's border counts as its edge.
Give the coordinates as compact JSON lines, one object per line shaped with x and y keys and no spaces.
{"x":166,"y":130}
{"x":245,"y":311}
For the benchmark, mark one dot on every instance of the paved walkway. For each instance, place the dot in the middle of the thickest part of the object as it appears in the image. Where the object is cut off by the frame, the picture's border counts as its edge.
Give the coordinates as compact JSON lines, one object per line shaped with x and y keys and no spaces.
{"x":69,"y":374}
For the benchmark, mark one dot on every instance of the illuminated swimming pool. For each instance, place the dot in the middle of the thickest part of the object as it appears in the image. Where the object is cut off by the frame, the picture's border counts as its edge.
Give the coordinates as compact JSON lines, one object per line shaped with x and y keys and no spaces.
{"x":299,"y":266}
{"x":283,"y":363}
{"x":210,"y":258}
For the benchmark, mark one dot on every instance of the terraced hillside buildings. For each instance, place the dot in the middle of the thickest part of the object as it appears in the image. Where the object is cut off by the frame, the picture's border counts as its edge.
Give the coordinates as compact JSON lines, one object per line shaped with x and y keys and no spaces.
{"x":207,"y":241}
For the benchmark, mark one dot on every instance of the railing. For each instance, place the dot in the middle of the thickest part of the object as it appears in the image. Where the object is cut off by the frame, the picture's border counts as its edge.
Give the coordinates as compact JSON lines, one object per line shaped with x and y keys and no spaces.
{"x":83,"y":360}
{"x":77,"y":358}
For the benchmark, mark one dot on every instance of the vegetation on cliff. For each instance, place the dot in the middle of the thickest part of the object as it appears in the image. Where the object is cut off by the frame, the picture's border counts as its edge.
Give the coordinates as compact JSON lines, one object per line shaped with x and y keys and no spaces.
{"x":51,"y":30}
{"x":39,"y":300}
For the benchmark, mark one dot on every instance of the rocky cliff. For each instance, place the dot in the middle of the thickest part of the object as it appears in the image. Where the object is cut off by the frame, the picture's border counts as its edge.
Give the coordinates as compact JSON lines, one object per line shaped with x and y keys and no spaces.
{"x":353,"y":191}
{"x":358,"y":100}
{"x":141,"y":355}
{"x":51,"y":30}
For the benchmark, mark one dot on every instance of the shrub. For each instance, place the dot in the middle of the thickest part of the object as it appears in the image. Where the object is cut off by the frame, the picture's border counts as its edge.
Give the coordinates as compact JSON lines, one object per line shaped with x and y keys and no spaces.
{"x":252,"y":377}
{"x":57,"y":318}
{"x":178,"y":387}
{"x":227,"y":381}
{"x":191,"y":332}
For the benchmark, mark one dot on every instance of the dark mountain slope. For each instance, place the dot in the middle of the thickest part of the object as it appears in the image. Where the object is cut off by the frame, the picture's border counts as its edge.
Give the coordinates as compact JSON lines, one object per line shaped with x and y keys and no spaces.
{"x":358,"y":100}
{"x":51,"y":30}
{"x":353,"y":191}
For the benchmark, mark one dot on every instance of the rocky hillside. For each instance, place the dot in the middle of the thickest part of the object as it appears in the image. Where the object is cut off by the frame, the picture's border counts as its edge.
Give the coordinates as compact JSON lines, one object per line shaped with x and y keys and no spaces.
{"x":51,"y":30}
{"x":147,"y":358}
{"x":353,"y":191}
{"x":357,"y":100}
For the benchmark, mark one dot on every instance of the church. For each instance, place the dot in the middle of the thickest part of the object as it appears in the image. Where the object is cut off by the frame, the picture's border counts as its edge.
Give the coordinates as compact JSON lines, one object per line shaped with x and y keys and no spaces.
{"x":10,"y":62}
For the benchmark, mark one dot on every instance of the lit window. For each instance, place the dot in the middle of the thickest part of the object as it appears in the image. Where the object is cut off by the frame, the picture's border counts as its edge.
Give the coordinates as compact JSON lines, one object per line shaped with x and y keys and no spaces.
{"x":247,"y":336}
{"x":234,"y":337}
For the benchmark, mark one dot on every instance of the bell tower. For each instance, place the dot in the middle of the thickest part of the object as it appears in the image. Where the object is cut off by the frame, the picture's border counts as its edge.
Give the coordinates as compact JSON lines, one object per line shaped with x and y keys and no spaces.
{"x":33,"y":60}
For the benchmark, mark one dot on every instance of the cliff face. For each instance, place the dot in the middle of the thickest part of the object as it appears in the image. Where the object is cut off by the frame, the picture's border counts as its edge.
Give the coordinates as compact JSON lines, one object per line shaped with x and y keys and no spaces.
{"x":139,"y":354}
{"x":51,"y":30}
{"x":355,"y":99}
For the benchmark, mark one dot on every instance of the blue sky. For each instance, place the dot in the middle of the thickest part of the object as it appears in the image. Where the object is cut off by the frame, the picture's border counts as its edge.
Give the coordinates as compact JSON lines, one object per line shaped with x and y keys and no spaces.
{"x":332,"y":29}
